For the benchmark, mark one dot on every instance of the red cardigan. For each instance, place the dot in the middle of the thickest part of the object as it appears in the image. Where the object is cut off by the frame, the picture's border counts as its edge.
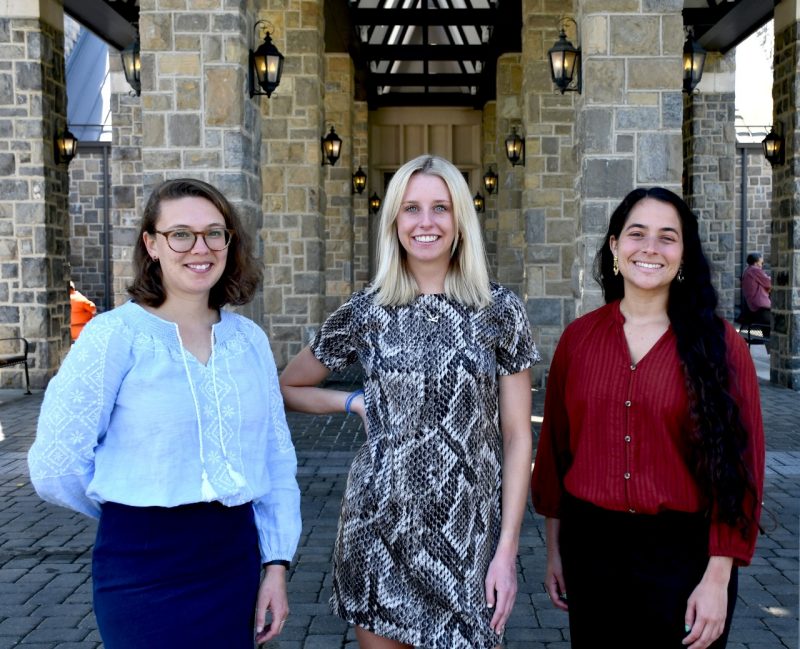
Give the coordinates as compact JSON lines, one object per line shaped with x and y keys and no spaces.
{"x":614,"y":433}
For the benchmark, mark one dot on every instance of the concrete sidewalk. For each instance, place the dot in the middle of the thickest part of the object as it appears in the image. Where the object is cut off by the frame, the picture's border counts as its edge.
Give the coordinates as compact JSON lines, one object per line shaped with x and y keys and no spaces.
{"x":45,"y":551}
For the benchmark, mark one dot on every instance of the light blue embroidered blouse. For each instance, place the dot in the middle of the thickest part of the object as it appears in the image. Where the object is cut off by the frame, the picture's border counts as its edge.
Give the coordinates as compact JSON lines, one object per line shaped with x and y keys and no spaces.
{"x":133,"y":418}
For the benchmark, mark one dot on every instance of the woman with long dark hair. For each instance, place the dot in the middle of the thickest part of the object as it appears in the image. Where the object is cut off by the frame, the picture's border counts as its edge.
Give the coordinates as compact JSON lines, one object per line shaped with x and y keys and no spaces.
{"x":650,"y":462}
{"x":166,"y":422}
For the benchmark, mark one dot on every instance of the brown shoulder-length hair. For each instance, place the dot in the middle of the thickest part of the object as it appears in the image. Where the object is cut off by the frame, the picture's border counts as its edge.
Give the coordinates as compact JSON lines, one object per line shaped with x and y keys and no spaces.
{"x":242,"y":274}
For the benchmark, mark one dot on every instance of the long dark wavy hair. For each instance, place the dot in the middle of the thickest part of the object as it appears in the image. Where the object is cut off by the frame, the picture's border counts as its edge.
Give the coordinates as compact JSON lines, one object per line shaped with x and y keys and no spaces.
{"x":717,"y":440}
{"x":241,"y":276}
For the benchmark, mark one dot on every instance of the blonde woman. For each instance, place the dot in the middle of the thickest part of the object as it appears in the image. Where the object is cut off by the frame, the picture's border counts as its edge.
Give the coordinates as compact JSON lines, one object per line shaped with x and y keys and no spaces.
{"x":429,"y":528}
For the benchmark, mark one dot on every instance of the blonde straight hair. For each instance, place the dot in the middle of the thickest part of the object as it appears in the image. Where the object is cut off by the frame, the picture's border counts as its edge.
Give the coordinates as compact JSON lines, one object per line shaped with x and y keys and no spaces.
{"x":467,"y":279}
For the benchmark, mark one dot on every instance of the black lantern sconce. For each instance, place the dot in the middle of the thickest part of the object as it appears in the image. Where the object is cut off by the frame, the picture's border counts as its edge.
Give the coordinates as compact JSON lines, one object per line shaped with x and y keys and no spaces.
{"x":774,"y":147}
{"x":515,"y":148}
{"x":132,"y":65}
{"x":565,"y":60}
{"x":490,"y":181}
{"x":266,"y":64}
{"x":331,"y":148}
{"x":479,"y":203}
{"x":65,"y":146}
{"x":694,"y":58}
{"x":374,"y":203}
{"x":359,"y":181}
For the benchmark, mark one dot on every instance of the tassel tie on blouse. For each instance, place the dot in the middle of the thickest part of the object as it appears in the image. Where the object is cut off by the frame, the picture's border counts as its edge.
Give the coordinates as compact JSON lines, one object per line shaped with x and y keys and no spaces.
{"x":207,"y":491}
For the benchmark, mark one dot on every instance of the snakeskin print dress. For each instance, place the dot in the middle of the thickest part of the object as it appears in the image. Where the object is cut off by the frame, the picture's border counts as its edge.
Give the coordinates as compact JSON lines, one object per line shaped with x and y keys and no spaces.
{"x":420,"y":516}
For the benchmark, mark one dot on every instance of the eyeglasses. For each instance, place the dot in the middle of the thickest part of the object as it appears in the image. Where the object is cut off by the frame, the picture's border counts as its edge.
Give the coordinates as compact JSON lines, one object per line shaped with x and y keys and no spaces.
{"x":215,"y":239}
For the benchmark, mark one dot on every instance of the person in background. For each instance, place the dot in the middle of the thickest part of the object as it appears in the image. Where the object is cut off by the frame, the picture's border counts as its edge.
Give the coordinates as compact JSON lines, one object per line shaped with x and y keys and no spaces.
{"x":82,"y":309}
{"x":166,"y":422}
{"x":756,"y":288}
{"x":650,"y":464}
{"x":429,"y":528}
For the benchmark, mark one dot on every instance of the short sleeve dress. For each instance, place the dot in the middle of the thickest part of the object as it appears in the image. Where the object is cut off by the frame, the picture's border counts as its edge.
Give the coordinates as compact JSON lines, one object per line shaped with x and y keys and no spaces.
{"x":421,"y":514}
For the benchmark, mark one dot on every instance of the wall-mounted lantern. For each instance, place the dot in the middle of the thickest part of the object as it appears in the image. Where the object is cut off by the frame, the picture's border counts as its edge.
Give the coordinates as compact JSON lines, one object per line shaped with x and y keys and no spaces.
{"x":331,"y":147}
{"x":515,"y":148}
{"x":694,"y":58}
{"x":479,"y":203}
{"x":774,"y":147}
{"x":66,"y":146}
{"x":132,"y":65}
{"x":359,"y":181}
{"x":374,"y":203}
{"x":490,"y":181}
{"x":565,"y":60}
{"x":266,"y":64}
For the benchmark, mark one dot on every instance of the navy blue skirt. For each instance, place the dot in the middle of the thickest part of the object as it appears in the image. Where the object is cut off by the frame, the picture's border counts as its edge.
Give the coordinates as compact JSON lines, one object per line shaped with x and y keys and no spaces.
{"x":167,"y":577}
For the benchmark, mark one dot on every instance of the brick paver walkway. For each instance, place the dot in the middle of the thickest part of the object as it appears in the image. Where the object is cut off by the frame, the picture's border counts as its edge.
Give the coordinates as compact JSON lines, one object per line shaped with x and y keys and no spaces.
{"x":45,"y":581}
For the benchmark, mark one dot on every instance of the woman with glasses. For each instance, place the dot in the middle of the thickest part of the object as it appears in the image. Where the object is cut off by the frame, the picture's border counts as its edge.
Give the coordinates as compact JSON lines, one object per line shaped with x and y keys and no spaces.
{"x":166,"y":422}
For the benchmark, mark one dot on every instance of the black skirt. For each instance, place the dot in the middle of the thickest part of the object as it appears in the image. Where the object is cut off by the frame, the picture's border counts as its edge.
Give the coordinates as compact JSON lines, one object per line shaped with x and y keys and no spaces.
{"x":629,"y":576}
{"x":176,"y":577}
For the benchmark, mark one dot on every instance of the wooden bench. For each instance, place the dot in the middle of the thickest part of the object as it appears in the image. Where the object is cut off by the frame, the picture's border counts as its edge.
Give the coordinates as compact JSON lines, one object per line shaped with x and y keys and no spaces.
{"x":16,"y":358}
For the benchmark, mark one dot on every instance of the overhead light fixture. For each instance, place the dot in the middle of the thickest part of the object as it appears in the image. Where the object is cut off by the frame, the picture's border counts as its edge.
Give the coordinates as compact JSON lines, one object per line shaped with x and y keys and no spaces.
{"x":565,"y":60}
{"x":694,"y":58}
{"x":774,"y":147}
{"x":490,"y":181}
{"x":331,"y":147}
{"x":359,"y":181}
{"x":132,"y":65}
{"x":374,"y":203}
{"x":515,"y":148}
{"x":266,"y":63}
{"x":66,"y":146}
{"x":478,"y":202}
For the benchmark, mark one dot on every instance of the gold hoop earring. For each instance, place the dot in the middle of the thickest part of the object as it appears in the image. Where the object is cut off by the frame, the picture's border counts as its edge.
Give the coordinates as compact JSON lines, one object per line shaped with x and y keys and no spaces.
{"x":615,"y":267}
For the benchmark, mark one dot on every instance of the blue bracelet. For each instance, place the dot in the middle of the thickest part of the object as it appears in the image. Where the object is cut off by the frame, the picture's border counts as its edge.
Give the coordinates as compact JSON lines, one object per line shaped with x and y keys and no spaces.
{"x":350,"y":398}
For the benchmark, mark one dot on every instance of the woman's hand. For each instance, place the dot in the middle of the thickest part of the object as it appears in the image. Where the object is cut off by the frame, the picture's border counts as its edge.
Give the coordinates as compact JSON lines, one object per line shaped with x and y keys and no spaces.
{"x":707,"y":607}
{"x":272,"y":598}
{"x":554,"y":574}
{"x":554,"y":583}
{"x":501,"y":588}
{"x":515,"y":427}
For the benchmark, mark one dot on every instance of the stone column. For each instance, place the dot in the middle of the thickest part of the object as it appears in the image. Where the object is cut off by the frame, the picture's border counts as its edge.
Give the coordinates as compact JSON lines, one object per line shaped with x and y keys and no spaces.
{"x":754,"y":228}
{"x":550,"y":195}
{"x":360,"y":206}
{"x":127,"y":170}
{"x":785,"y":336}
{"x":510,"y":229}
{"x":710,"y":160}
{"x":629,"y":115}
{"x":339,"y":82}
{"x":34,"y":218}
{"x":88,"y":174}
{"x":198,"y":120}
{"x":490,"y":159}
{"x":293,"y":201}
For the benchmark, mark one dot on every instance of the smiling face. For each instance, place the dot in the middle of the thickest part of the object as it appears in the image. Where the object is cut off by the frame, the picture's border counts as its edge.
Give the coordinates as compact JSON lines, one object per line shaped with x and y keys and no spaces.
{"x":425,"y":223}
{"x":649,"y":247}
{"x":193,"y":273}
